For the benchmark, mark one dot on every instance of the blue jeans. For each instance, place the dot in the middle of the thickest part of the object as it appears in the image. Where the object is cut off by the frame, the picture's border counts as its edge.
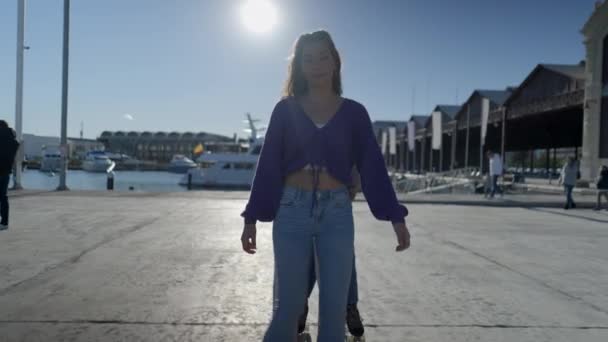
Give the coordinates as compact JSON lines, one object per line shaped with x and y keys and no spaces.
{"x":4,"y":180}
{"x":569,"y":199}
{"x":300,"y":237}
{"x":353,"y":288}
{"x":495,"y":187}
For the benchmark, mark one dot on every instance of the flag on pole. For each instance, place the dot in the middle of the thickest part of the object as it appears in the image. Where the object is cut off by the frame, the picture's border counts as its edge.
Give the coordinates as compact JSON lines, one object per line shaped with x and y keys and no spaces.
{"x":198,"y":149}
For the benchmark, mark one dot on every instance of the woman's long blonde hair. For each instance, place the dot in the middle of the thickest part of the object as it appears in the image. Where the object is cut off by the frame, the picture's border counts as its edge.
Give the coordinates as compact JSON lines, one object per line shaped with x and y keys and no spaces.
{"x":296,"y":84}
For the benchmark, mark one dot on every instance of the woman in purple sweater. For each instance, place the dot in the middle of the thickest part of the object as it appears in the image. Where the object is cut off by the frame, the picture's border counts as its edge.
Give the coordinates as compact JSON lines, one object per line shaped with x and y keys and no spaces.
{"x":313,"y":140}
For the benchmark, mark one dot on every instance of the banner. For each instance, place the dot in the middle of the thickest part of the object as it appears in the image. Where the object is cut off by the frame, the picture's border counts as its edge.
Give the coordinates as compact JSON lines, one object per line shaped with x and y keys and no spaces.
{"x":411,"y":135}
{"x":437,"y":130}
{"x":384,"y":137}
{"x":485,"y":113}
{"x":392,"y":138}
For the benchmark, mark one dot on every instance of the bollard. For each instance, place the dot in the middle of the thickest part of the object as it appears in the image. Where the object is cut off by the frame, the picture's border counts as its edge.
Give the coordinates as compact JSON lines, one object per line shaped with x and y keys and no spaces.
{"x":189,"y":181}
{"x":110,"y":181}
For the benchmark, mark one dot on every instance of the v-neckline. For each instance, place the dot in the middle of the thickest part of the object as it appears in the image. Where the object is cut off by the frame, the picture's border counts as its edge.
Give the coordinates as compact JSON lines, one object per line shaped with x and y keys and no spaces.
{"x":314,"y":124}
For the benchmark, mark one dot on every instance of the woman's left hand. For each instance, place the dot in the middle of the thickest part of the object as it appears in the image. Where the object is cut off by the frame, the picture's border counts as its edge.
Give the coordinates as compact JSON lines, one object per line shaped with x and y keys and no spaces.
{"x":248,"y":238}
{"x":403,"y":236}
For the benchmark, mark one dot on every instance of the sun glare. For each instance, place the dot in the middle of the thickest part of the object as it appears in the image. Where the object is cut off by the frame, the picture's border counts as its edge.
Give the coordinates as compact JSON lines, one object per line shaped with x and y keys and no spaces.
{"x":259,"y":16}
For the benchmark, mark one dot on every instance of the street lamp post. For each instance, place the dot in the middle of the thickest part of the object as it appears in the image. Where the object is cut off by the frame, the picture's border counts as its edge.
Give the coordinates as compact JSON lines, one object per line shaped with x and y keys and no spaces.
{"x":64,"y":96}
{"x":19,"y":92}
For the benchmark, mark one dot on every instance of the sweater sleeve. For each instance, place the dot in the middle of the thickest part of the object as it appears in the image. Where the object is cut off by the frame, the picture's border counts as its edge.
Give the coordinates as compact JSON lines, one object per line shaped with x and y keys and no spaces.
{"x":375,"y":182}
{"x":268,"y":180}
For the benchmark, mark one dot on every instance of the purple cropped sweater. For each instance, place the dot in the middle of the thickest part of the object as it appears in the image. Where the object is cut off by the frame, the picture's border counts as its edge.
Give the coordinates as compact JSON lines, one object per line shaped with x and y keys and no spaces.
{"x":293,"y":141}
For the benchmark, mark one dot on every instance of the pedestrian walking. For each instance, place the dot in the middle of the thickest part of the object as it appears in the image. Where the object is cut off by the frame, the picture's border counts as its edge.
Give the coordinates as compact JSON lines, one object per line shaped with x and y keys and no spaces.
{"x":7,"y":158}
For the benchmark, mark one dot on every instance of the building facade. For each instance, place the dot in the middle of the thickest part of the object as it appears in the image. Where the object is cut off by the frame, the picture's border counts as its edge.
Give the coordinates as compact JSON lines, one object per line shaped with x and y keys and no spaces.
{"x":162,"y":146}
{"x":595,"y":115}
{"x":35,"y":146}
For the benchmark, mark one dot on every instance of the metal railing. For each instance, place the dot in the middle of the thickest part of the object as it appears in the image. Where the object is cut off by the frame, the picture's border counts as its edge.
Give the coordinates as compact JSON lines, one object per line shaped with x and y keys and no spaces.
{"x":466,"y":178}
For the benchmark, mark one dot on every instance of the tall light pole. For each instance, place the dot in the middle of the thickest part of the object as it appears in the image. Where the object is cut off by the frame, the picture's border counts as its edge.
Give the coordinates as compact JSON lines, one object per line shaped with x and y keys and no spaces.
{"x":19,"y":91}
{"x":64,"y":96}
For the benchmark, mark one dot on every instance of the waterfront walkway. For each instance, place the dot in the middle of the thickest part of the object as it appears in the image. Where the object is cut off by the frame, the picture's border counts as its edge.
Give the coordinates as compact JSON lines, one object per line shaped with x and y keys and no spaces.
{"x":98,"y":266}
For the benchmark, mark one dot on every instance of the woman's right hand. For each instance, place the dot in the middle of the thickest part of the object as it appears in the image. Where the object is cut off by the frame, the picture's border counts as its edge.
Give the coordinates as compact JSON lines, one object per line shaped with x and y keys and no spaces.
{"x":248,"y":238}
{"x":403,"y":236}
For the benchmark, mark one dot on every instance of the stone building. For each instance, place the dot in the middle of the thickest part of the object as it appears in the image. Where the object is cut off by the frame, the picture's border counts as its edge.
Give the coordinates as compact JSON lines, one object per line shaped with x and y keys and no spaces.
{"x":595,"y":113}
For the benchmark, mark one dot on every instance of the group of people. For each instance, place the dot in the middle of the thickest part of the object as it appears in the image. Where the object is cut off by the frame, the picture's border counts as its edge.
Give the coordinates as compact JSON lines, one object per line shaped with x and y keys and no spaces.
{"x":319,"y":150}
{"x":318,"y":146}
{"x":568,"y":177}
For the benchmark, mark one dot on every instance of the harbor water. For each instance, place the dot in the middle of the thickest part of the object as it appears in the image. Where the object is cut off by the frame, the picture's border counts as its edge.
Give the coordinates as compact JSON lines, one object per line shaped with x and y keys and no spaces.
{"x":153,"y":181}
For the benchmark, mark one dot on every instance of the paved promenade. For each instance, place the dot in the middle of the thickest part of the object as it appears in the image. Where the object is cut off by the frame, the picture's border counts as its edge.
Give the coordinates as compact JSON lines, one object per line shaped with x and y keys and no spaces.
{"x":93,"y":266}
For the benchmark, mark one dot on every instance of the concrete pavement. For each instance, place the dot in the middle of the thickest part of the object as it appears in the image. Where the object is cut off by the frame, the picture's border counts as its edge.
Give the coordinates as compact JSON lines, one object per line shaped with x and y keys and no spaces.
{"x":93,"y":266}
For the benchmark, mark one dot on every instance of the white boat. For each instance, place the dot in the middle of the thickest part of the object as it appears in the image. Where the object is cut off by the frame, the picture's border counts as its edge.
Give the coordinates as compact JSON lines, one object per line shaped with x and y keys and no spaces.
{"x":180,"y":164}
{"x":97,"y":161}
{"x":51,"y":162}
{"x":227,"y":170}
{"x":124,"y":161}
{"x":223,"y":170}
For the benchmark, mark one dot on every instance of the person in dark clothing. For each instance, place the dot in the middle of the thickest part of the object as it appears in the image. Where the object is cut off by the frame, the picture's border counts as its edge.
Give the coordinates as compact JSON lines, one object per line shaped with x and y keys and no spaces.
{"x":8,"y":150}
{"x":602,"y":186}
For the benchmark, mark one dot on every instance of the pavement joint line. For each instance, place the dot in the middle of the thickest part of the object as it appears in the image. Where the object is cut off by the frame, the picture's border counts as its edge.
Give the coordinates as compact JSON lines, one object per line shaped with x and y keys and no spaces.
{"x":487,"y":203}
{"x":13,"y":194}
{"x":259,"y":324}
{"x":536,"y":280}
{"x":76,"y":258}
{"x":469,"y":202}
{"x":569,"y":215}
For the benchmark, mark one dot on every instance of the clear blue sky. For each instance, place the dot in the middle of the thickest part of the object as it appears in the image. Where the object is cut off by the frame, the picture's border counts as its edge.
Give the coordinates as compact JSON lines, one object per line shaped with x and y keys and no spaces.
{"x":190,"y":65}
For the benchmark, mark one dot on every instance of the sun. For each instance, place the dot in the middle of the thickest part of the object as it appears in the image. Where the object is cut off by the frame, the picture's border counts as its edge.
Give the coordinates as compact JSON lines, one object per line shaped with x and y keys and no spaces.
{"x":259,"y":16}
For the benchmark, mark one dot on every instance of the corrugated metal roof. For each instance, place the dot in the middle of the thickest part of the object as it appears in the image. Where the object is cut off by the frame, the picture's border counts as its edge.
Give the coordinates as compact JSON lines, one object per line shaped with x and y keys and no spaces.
{"x":450,"y":110}
{"x":388,"y":123}
{"x":576,"y":71}
{"x":497,"y":96}
{"x":420,"y":120}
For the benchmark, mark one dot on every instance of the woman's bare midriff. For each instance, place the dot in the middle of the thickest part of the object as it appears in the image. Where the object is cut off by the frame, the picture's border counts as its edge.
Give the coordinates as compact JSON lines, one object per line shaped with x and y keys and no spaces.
{"x":303,"y":179}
